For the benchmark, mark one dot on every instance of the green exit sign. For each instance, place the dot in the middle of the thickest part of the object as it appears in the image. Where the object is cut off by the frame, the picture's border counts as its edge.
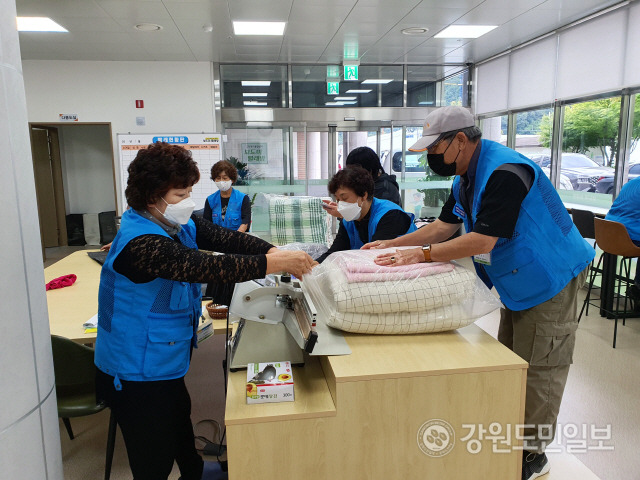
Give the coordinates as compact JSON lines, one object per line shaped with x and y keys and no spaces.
{"x":351,"y":72}
{"x":333,"y":88}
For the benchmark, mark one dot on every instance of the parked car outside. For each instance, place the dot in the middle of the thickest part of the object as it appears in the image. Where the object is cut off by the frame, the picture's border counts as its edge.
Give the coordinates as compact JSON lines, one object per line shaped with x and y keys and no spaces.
{"x":582,"y":172}
{"x":605,"y":183}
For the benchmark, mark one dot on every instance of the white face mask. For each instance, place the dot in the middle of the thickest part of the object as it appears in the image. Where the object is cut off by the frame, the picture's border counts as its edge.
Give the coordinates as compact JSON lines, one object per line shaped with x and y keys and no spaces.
{"x":349,"y":211}
{"x":179,"y":213}
{"x":223,"y":186}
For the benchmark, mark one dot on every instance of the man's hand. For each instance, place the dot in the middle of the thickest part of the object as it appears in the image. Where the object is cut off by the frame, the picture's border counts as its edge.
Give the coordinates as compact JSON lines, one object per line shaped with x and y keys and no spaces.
{"x":377,"y":244}
{"x":407,"y":256}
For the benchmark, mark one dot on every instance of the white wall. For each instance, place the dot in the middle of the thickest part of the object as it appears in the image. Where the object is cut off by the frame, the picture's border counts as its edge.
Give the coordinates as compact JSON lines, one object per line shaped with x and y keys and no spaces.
{"x":87,"y":169}
{"x":178,"y":96}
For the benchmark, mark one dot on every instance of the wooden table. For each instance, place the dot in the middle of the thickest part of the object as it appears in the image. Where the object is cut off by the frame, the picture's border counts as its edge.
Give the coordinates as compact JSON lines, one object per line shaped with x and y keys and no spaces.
{"x":70,"y":307}
{"x":361,"y":416}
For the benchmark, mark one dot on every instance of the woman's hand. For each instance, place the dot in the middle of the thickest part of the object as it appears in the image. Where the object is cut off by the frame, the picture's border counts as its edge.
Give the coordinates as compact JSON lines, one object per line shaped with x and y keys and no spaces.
{"x":400,"y":257}
{"x":376,"y":244}
{"x":331,"y":208}
{"x":105,"y":248}
{"x":296,"y":262}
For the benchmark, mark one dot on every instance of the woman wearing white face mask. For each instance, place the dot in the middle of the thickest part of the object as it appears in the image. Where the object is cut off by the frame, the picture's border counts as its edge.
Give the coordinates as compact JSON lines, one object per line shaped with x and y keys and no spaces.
{"x":227,"y":206}
{"x":364,"y":218}
{"x":149,"y":307}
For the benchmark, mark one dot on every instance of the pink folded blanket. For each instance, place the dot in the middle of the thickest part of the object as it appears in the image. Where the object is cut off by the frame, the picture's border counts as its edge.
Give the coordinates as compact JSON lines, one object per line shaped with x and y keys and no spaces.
{"x":363,"y":269}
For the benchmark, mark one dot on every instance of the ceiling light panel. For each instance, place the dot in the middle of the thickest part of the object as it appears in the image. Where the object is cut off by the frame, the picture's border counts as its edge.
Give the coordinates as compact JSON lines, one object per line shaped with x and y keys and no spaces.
{"x":380,"y":81}
{"x":258,"y":28}
{"x":357,"y":91}
{"x":254,"y":94}
{"x":465,"y":31}
{"x":256,"y":83}
{"x":39,"y":24}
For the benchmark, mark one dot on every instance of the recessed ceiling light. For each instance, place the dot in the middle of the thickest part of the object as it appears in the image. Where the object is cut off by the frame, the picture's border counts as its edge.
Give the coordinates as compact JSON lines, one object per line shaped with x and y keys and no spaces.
{"x":465,"y":31}
{"x":425,"y":103}
{"x":415,"y":30}
{"x":333,"y":104}
{"x":148,"y":27}
{"x":357,"y":91}
{"x":258,"y":28}
{"x":345,"y":98}
{"x":254,"y":94}
{"x":255,"y":104}
{"x":378,"y":80}
{"x":256,"y":83}
{"x":39,"y":24}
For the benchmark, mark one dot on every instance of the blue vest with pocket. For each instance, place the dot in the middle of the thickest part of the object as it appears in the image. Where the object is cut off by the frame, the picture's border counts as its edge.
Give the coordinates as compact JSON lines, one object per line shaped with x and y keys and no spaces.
{"x":626,"y":208}
{"x":546,"y":250}
{"x":233,"y":216}
{"x":378,"y":208}
{"x":145,"y":330}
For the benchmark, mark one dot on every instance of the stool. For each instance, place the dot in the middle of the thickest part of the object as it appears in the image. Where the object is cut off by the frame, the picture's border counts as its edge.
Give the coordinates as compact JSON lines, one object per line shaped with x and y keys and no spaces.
{"x":584,"y":221}
{"x":613,"y":239}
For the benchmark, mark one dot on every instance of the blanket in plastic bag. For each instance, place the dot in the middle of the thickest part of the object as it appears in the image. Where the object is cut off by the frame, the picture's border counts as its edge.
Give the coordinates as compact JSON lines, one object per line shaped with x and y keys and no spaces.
{"x":355,"y":295}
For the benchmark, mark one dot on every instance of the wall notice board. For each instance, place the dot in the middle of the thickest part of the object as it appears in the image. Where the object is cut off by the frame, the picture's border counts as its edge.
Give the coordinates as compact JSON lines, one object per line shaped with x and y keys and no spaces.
{"x":204,"y":147}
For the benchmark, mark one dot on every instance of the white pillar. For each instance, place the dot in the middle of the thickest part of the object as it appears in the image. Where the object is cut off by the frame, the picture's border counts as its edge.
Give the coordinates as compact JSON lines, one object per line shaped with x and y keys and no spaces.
{"x":29,"y":432}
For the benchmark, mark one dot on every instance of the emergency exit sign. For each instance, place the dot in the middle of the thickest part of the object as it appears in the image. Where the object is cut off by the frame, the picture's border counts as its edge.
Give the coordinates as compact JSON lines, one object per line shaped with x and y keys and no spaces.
{"x":333,"y":88}
{"x":351,"y":72}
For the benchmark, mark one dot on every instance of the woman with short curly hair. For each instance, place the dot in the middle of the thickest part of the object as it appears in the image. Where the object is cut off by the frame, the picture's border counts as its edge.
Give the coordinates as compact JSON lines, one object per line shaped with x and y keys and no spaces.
{"x":149,"y":306}
{"x":364,"y":217}
{"x":227,"y":206}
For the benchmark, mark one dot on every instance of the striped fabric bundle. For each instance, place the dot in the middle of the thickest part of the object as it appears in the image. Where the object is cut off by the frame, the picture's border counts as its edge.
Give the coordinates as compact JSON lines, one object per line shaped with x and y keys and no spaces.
{"x":297,"y":219}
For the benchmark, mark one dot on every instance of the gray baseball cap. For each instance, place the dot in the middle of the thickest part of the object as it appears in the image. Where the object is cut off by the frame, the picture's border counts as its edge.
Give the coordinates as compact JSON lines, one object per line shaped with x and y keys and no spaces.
{"x":442,"y":120}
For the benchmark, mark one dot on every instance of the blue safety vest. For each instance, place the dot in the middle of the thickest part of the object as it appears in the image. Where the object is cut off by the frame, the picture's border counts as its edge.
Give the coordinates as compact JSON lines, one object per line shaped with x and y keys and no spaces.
{"x":626,"y":208}
{"x":546,"y":250}
{"x":378,"y":208}
{"x":145,"y":330}
{"x":233,"y":216}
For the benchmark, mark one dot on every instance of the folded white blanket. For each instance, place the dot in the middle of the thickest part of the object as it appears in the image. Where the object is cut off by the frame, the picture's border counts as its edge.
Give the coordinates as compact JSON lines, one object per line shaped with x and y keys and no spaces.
{"x":412,"y":295}
{"x":440,"y":319}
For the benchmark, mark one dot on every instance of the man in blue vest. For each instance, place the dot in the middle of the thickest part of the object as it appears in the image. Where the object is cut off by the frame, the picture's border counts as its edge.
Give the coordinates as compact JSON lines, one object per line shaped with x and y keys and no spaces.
{"x":626,"y":210}
{"x":522,"y":242}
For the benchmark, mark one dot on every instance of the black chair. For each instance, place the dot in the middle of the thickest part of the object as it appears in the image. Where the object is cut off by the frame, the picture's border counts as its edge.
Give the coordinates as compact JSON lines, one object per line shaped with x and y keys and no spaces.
{"x":613,"y":239}
{"x":75,"y":375}
{"x":584,"y":221}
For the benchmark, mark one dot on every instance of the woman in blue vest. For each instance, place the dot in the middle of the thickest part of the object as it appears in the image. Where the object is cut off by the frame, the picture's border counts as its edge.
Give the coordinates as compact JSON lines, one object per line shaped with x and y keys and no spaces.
{"x":364,"y":217}
{"x":149,"y":307}
{"x":227,"y":207}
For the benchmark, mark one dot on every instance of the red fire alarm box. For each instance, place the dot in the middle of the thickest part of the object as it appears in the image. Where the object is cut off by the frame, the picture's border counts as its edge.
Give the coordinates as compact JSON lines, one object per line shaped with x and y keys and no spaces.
{"x":139,"y":103}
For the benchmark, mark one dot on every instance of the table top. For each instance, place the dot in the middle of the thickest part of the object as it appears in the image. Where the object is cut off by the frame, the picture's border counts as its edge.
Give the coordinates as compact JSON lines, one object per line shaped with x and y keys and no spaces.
{"x":70,"y":307}
{"x":599,"y":212}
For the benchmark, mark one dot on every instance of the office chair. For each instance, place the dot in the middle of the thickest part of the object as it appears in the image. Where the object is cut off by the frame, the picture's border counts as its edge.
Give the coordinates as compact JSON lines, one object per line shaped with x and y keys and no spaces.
{"x":613,"y":239}
{"x":75,"y":375}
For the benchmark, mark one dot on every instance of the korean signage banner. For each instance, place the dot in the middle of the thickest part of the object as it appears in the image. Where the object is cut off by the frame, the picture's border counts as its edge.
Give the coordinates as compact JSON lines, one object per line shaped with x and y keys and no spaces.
{"x":254,"y":153}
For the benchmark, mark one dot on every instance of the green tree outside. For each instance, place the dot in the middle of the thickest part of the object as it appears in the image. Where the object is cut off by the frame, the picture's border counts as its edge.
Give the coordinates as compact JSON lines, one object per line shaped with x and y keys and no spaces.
{"x":591,"y":125}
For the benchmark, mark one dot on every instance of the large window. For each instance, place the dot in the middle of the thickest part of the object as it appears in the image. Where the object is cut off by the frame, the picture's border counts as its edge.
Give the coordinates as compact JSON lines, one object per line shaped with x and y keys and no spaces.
{"x":533,"y":139}
{"x":251,"y":86}
{"x":495,"y":128}
{"x":589,"y":150}
{"x":427,"y":88}
{"x":324,"y":86}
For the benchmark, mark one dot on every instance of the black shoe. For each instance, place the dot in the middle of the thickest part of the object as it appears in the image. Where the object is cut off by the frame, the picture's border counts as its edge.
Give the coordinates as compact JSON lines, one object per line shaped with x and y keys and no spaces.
{"x":534,"y":465}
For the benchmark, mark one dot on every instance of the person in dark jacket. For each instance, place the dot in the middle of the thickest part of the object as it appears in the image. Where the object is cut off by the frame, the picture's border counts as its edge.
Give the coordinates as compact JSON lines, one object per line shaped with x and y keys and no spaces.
{"x":385,"y":186}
